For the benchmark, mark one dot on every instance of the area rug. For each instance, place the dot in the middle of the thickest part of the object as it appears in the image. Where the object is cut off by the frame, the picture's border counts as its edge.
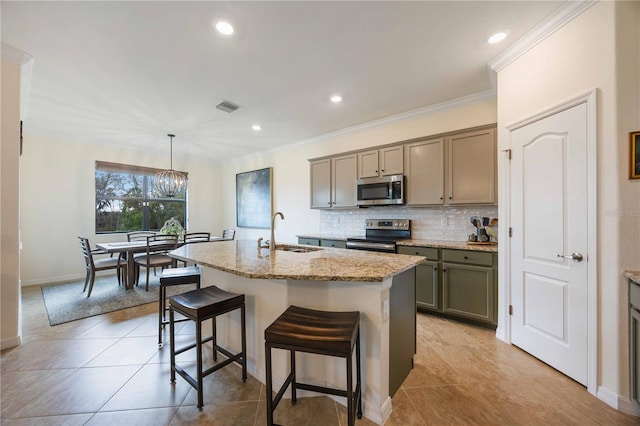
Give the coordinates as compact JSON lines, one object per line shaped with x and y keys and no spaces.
{"x":66,"y":302}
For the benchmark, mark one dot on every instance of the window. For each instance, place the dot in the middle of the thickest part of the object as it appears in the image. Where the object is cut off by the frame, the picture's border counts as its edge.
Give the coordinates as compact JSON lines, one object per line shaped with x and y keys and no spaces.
{"x":127,"y":201}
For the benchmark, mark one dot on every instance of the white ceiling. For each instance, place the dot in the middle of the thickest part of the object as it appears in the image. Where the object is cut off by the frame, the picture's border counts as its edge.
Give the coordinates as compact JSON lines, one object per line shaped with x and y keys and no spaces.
{"x":128,"y":73}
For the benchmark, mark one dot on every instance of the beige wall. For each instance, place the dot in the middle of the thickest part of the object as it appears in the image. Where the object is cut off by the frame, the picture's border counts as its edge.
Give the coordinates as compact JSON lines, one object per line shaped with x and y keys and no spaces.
{"x":9,"y":170}
{"x":291,"y":168}
{"x":574,"y":60}
{"x":57,"y":195}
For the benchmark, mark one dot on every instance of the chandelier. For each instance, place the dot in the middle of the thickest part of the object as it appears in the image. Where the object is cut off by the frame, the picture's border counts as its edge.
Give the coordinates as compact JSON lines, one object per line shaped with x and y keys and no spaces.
{"x":170,"y":183}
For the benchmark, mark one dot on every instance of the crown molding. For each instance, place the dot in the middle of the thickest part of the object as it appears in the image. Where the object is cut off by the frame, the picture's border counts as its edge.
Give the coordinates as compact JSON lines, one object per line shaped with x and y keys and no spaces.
{"x":430,"y":109}
{"x":560,"y":17}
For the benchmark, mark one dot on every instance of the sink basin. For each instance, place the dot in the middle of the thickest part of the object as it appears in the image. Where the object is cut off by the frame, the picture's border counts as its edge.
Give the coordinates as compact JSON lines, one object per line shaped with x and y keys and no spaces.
{"x":296,"y":249}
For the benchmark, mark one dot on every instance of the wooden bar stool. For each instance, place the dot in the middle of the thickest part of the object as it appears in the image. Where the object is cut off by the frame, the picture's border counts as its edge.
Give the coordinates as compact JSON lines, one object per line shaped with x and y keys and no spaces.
{"x":317,"y":332}
{"x":201,"y":305}
{"x":170,"y":277}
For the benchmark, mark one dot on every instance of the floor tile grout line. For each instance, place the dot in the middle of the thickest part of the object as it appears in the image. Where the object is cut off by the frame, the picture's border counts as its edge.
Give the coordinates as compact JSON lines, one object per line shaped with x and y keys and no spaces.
{"x":414,"y":407}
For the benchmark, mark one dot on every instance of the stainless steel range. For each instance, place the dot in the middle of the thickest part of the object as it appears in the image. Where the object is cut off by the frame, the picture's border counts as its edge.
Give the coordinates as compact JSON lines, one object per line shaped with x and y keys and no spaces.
{"x":381,"y":235}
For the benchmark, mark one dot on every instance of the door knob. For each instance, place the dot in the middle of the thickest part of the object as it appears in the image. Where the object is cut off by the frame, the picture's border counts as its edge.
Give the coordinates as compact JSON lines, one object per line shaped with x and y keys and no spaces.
{"x":576,"y":257}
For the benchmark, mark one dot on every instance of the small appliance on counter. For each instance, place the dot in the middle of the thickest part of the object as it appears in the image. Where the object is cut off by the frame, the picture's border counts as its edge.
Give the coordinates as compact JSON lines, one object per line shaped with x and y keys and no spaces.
{"x":485,"y":232}
{"x":381,"y":235}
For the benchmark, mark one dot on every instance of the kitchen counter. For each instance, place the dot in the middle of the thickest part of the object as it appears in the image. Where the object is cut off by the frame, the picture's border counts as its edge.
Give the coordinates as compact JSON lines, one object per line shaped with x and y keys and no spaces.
{"x":382,"y":287}
{"x":414,"y":242}
{"x":242,"y":257}
{"x":456,"y":245}
{"x":632,"y":275}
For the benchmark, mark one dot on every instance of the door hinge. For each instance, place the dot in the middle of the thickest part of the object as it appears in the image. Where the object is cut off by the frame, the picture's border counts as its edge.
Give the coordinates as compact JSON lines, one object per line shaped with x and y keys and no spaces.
{"x":508,"y":151}
{"x":510,"y":231}
{"x":510,"y":309}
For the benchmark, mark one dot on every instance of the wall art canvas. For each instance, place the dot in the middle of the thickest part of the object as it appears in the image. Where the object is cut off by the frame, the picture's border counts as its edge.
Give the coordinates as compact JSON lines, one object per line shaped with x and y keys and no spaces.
{"x":634,"y":155}
{"x":254,"y":199}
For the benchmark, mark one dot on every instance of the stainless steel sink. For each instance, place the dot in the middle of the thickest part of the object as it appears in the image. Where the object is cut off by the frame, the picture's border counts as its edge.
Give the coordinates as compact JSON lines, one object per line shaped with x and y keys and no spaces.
{"x":296,"y":249}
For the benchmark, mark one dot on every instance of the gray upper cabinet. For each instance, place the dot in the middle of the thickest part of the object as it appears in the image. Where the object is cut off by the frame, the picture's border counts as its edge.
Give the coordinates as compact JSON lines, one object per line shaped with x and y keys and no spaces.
{"x":459,"y":169}
{"x":321,"y":184}
{"x":424,"y":169}
{"x":471,"y":171}
{"x":381,"y":162}
{"x":333,"y":182}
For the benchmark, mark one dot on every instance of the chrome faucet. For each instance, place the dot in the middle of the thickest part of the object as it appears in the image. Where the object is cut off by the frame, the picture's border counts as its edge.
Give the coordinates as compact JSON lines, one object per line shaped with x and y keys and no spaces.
{"x":272,"y":241}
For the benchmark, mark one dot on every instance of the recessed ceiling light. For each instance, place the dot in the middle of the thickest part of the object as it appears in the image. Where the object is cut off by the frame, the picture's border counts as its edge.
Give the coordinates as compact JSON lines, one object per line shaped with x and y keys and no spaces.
{"x":224,"y":28}
{"x":336,"y":98}
{"x":256,"y":127}
{"x":498,"y":37}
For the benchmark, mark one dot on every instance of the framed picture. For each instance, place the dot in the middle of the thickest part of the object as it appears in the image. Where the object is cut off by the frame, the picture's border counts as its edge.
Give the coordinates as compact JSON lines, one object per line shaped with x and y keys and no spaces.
{"x":634,"y":155}
{"x":254,"y":202}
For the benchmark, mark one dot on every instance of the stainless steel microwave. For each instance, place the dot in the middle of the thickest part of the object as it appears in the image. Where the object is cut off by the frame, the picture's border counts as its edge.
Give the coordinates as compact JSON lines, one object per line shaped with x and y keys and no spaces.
{"x":381,"y":191}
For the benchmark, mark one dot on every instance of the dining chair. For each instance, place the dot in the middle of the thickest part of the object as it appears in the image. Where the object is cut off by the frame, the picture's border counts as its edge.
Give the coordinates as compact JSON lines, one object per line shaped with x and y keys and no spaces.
{"x":195,"y":237}
{"x":92,"y":265}
{"x":229,"y":234}
{"x":156,"y":254}
{"x":139,"y":235}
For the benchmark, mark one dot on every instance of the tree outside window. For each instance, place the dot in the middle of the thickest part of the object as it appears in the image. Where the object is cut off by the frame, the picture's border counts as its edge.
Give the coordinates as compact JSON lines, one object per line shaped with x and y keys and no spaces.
{"x":127,"y":201}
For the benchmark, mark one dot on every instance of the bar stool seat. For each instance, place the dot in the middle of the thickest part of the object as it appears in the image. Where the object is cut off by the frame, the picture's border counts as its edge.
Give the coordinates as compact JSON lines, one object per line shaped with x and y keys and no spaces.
{"x":171,"y":277}
{"x":318,"y":332}
{"x":201,"y":305}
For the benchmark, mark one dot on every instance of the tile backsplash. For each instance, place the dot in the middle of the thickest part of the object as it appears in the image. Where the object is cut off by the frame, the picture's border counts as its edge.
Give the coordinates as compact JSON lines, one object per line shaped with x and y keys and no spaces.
{"x":432,"y":223}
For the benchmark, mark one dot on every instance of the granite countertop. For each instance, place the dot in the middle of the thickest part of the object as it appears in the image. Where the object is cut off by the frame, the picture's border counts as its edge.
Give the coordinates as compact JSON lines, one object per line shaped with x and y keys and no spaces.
{"x":457,"y":245}
{"x":242,"y":257}
{"x":414,"y":242}
{"x":632,"y":275}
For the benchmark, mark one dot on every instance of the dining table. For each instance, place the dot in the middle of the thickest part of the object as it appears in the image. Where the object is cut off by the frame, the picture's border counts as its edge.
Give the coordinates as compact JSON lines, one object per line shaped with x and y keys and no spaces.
{"x":130,"y":248}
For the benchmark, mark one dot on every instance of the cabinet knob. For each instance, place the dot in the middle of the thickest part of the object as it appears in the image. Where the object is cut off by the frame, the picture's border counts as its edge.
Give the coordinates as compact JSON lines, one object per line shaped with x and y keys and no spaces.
{"x":444,"y":270}
{"x":376,"y":171}
{"x":450,"y":198}
{"x":382,"y":170}
{"x":441,"y":198}
{"x":466,"y":257}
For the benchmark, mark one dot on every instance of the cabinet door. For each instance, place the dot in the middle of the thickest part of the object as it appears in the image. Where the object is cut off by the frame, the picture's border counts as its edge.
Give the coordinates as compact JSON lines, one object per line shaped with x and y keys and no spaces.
{"x":468,"y":291}
{"x":321,"y":184}
{"x":391,"y":161}
{"x":344,"y":173}
{"x":472,"y":168}
{"x":368,"y":164}
{"x":427,"y":285}
{"x":634,"y":356}
{"x":424,"y":169}
{"x":333,"y":243}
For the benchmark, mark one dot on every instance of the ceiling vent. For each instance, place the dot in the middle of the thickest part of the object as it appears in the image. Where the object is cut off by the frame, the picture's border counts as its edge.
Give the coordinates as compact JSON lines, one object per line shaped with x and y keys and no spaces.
{"x":227,"y":106}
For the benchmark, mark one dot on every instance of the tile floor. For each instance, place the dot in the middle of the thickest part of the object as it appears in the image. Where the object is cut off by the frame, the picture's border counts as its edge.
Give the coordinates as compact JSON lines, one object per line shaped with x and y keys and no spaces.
{"x":107,"y":370}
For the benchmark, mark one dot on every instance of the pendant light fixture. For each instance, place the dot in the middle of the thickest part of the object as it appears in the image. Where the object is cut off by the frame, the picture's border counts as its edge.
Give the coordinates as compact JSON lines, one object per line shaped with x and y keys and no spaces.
{"x":170,"y":183}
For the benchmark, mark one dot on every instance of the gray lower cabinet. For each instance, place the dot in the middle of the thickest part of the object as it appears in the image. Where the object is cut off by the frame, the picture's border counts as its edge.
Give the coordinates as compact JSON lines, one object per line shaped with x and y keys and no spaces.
{"x":427,"y":294}
{"x":457,"y":283}
{"x":309,"y":241}
{"x":333,"y":243}
{"x":634,"y":342}
{"x":323,"y":242}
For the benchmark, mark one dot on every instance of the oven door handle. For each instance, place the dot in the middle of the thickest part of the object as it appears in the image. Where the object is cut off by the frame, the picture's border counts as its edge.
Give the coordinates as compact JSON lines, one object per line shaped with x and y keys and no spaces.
{"x":361,"y":245}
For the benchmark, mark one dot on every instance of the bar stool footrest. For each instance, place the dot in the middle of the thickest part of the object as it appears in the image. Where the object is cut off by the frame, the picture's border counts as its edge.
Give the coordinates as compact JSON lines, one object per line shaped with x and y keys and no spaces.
{"x":321,"y":389}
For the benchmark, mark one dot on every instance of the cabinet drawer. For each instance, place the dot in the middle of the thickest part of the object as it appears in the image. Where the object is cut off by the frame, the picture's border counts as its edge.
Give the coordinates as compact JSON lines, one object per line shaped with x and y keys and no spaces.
{"x":634,"y":295}
{"x":333,"y":243}
{"x":429,"y":253}
{"x":468,"y":256}
{"x":309,"y":241}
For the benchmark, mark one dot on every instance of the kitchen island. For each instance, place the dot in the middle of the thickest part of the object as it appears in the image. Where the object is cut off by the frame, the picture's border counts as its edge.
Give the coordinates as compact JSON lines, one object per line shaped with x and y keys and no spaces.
{"x":381,"y":286}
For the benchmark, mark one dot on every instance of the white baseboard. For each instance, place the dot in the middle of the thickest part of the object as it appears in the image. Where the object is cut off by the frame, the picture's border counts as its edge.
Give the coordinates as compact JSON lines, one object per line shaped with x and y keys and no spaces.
{"x":62,"y":279}
{"x":620,"y":403}
{"x":607,"y":396}
{"x":626,"y":406}
{"x":10,"y":342}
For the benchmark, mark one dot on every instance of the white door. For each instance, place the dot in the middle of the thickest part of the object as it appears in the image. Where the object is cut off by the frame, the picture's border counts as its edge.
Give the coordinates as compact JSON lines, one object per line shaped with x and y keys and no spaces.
{"x":549,"y":243}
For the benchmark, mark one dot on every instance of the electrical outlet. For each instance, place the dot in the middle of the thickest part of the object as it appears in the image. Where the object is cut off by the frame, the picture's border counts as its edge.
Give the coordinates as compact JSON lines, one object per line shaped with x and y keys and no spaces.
{"x":385,"y":310}
{"x":444,"y":221}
